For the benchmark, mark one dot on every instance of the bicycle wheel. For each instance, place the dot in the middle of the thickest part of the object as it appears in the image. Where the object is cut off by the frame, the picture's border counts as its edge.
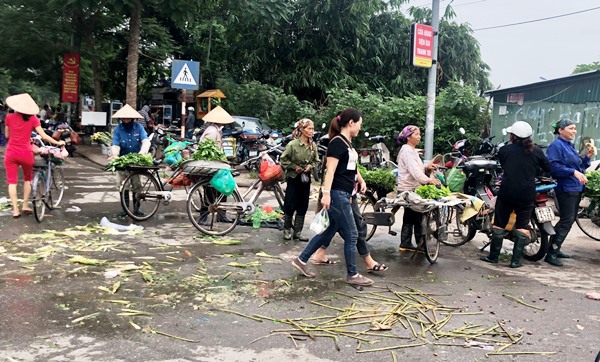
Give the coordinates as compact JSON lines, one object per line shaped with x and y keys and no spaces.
{"x":215,"y":216}
{"x":366,"y":203}
{"x":140,"y":196}
{"x":588,"y":219}
{"x":57,"y":186}
{"x":279,"y":194}
{"x":38,"y":188}
{"x":430,"y":228}
{"x":458,"y":232}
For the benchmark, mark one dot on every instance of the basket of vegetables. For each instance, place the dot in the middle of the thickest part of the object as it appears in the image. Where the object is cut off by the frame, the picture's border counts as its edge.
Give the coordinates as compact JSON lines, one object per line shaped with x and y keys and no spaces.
{"x":382,"y":181}
{"x":207,"y":160}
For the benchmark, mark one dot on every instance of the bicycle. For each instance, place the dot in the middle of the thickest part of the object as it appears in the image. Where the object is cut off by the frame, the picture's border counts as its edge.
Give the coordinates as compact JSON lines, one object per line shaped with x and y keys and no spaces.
{"x":434,"y":224}
{"x":48,"y":185}
{"x":215,"y":215}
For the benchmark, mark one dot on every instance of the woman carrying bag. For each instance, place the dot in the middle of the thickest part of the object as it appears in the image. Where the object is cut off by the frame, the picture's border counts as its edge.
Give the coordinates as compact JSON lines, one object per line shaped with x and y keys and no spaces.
{"x":338,"y":186}
{"x":298,"y":159}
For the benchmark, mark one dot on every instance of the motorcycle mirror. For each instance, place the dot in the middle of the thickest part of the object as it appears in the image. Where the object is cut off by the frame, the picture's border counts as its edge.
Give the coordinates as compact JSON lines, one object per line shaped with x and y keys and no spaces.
{"x":504,"y":131}
{"x":366,"y":134}
{"x":462,"y":130}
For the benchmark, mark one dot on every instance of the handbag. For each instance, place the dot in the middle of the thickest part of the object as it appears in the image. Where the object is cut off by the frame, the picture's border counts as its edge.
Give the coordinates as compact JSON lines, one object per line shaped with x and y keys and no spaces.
{"x":304,"y":178}
{"x":75,"y":138}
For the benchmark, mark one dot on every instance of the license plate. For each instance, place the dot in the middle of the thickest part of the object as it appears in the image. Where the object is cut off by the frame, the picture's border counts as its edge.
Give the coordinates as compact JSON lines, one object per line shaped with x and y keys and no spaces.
{"x":544,"y":214}
{"x":253,"y":153}
{"x":365,"y":159}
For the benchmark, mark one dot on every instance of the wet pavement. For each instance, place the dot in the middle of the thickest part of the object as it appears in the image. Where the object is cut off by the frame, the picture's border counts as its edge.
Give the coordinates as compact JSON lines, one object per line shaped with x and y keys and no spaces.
{"x":169,"y":293}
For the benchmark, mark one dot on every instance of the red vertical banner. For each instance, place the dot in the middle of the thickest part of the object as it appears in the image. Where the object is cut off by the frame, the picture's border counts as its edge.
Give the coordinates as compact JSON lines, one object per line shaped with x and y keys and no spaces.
{"x":422,"y":45}
{"x":70,"y":81}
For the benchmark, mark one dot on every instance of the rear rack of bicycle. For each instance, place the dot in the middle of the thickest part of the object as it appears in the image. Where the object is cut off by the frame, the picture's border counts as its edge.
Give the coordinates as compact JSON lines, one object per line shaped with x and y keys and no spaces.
{"x":201,"y":167}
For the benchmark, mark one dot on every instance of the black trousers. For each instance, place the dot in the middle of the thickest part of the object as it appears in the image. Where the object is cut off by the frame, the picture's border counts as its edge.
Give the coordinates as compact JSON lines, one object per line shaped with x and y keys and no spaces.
{"x":568,"y":205}
{"x":296,"y":196}
{"x":412,"y":217}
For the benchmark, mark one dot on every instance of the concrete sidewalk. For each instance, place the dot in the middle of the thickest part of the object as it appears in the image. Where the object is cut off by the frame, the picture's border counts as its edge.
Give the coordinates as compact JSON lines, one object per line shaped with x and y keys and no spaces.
{"x":94,"y":154}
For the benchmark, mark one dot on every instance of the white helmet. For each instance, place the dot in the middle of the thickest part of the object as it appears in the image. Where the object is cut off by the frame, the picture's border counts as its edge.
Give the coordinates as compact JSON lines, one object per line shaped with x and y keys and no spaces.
{"x":520,"y":129}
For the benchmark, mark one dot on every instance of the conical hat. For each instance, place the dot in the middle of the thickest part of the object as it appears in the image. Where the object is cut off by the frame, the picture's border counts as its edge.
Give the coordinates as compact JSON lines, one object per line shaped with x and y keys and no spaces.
{"x":218,"y":115}
{"x":127,"y":112}
{"x":23,"y":103}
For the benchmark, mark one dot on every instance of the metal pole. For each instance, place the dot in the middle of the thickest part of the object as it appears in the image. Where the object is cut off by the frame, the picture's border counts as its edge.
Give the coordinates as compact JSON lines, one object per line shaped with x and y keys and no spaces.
{"x":431,"y":82}
{"x":183,"y":112}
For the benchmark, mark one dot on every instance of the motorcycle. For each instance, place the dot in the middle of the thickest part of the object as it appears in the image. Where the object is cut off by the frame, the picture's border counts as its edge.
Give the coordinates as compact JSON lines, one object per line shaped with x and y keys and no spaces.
{"x":250,"y":145}
{"x":158,"y":142}
{"x":63,"y":133}
{"x":322,"y":142}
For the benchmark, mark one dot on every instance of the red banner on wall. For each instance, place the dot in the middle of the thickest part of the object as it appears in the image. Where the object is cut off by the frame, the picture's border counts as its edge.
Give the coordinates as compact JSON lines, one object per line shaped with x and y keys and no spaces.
{"x":70,"y":81}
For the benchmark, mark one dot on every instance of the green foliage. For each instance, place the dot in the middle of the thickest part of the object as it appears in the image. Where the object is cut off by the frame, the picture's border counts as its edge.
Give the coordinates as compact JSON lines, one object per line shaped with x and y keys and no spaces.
{"x":130,"y":159}
{"x":581,"y":68}
{"x":380,"y":178}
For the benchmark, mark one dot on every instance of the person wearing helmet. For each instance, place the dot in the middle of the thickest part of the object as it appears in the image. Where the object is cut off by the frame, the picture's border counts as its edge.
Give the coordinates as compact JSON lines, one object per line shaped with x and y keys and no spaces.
{"x":190,"y":123}
{"x":568,"y":168}
{"x":520,"y":161}
{"x":18,"y":128}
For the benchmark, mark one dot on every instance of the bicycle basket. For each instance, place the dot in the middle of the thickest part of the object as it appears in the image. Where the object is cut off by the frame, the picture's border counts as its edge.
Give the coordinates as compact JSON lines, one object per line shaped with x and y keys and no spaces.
{"x":202,"y":168}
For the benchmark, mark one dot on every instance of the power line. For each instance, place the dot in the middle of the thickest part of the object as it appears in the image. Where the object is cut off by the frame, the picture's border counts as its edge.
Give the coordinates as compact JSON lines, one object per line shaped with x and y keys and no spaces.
{"x":537,"y":20}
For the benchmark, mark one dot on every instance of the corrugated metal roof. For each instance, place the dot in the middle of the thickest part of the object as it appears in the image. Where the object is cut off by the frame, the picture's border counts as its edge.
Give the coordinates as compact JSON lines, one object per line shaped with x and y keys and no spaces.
{"x":577,"y":88}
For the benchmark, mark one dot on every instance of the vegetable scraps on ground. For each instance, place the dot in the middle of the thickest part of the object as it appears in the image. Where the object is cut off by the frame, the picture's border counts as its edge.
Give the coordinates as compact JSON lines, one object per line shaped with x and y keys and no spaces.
{"x":266,"y":214}
{"x":130,"y":159}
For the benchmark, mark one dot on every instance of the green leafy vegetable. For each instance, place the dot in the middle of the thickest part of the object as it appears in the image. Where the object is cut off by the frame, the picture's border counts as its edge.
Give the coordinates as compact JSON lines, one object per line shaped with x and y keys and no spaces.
{"x":103,"y":138}
{"x":380,"y":178}
{"x":130,"y":159}
{"x":209,"y":151}
{"x":592,"y":188}
{"x":432,"y":191}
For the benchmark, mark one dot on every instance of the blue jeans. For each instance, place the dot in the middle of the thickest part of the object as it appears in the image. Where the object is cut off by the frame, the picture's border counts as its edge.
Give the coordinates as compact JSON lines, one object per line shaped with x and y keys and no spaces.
{"x":341,"y":218}
{"x":361,"y":227}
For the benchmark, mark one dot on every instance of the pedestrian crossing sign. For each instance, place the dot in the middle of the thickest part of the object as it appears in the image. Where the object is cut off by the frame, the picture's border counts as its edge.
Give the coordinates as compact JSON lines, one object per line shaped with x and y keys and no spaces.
{"x":185,"y":74}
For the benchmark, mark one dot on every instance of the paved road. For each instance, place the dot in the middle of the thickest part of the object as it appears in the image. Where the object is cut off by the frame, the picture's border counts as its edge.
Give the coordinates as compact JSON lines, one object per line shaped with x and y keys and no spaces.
{"x":183,"y":282}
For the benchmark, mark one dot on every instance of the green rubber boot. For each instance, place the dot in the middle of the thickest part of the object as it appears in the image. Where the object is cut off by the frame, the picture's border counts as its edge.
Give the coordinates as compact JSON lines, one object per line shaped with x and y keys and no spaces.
{"x":552,"y":257}
{"x":520,"y":239}
{"x":406,"y":237}
{"x":298,"y":226}
{"x":496,"y":239}
{"x":287,"y":227}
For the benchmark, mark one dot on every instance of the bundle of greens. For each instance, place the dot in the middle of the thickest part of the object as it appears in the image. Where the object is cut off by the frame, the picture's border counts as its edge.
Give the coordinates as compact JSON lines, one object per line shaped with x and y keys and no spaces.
{"x":209,"y":151}
{"x":432,"y":192}
{"x":266,"y":214}
{"x":130,"y":159}
{"x":592,"y":188}
{"x":103,"y":138}
{"x":382,"y":178}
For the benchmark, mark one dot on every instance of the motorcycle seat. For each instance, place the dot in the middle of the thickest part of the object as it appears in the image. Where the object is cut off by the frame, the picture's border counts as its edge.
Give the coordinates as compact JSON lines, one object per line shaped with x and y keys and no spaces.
{"x":477,"y":164}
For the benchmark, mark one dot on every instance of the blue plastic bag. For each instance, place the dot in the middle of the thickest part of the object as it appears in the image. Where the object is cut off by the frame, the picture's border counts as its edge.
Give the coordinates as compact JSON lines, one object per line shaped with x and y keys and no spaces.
{"x":223,"y":182}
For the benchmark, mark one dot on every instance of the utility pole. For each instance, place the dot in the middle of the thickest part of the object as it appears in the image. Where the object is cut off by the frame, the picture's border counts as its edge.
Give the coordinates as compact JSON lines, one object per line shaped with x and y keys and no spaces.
{"x":431,"y":82}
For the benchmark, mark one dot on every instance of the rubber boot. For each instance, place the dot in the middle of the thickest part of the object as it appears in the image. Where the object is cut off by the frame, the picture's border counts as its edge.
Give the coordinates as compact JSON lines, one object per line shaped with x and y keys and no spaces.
{"x":560,"y":254}
{"x":287,"y":227}
{"x":496,"y":238}
{"x":123,"y":213}
{"x":419,"y":237}
{"x":298,"y":226}
{"x":556,"y":242}
{"x":136,"y":208}
{"x":406,"y":236}
{"x":520,"y":239}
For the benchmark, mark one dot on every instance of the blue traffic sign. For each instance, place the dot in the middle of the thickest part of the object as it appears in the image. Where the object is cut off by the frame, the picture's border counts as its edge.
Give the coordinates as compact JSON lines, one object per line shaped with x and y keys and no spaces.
{"x":185,"y":74}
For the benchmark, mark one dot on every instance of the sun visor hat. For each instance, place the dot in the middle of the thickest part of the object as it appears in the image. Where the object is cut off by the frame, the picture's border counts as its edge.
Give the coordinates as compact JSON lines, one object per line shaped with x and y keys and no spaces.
{"x":23,"y":103}
{"x":218,"y":115}
{"x":520,"y":129}
{"x":127,"y":112}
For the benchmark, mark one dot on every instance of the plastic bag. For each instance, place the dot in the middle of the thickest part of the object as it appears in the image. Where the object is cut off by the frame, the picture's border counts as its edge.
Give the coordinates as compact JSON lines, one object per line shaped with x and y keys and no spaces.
{"x":321,"y":222}
{"x":223,"y":182}
{"x":269,"y":170}
{"x":305,"y":178}
{"x":455,"y":179}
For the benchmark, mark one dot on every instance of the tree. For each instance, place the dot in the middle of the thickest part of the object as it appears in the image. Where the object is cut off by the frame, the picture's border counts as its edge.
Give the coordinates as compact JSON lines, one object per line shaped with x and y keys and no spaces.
{"x":581,"y":68}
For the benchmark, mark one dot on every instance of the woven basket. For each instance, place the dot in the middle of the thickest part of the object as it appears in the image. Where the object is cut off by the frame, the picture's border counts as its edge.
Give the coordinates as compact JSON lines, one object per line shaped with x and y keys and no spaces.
{"x":201,"y":167}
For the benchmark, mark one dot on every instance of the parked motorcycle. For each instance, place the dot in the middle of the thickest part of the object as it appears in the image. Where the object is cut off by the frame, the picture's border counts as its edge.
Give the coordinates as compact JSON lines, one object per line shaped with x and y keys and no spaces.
{"x":249,"y":146}
{"x":158,"y":142}
{"x":63,"y":133}
{"x":322,"y":141}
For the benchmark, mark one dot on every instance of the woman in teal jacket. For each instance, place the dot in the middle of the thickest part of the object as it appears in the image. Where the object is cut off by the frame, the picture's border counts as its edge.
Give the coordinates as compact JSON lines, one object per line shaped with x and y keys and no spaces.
{"x":568,"y":168}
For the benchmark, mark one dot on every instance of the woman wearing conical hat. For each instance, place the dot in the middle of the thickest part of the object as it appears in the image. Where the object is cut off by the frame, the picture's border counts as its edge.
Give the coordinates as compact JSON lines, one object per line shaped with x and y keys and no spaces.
{"x":129,"y":137}
{"x":215,"y":120}
{"x":18,"y":128}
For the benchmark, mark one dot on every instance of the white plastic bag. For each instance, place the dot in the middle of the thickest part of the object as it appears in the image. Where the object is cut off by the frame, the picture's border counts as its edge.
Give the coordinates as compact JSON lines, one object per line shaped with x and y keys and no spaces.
{"x":320,"y":222}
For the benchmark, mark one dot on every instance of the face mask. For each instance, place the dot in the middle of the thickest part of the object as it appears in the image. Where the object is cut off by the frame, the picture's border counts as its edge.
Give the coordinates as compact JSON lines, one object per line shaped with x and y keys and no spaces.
{"x":127,"y":125}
